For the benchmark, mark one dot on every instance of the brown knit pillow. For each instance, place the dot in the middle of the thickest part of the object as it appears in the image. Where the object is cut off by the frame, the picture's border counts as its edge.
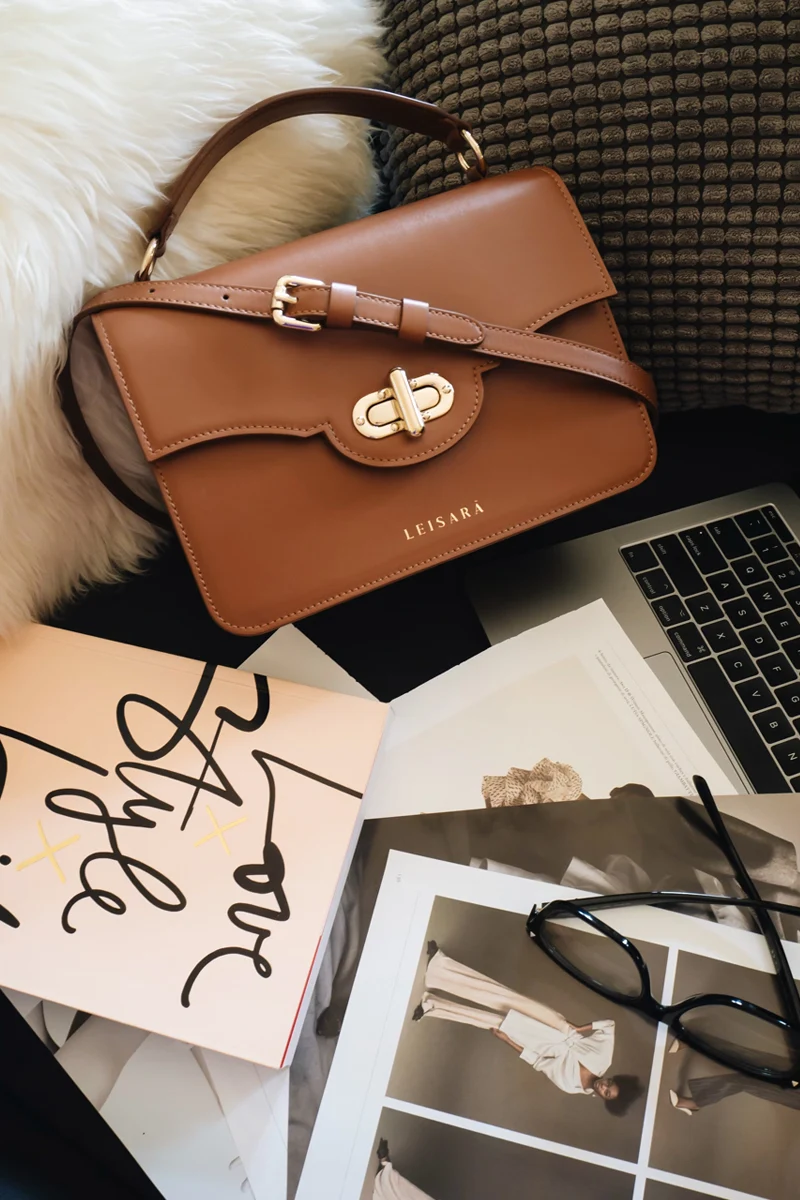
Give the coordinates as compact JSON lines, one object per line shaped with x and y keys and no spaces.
{"x":677,"y":129}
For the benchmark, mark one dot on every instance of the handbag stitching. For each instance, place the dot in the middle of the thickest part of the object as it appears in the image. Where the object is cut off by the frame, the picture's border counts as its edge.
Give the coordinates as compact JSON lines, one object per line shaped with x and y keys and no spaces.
{"x":600,"y":293}
{"x":194,"y":440}
{"x":325,"y":426}
{"x":426,"y":562}
{"x":123,"y":381}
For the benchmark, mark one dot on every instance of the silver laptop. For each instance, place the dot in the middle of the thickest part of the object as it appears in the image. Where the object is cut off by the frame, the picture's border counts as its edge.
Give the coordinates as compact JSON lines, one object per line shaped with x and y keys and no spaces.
{"x":710,"y":595}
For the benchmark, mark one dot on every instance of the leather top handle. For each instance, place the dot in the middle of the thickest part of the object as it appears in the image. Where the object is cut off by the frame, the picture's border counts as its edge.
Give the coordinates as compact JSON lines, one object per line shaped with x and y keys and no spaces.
{"x":387,"y":107}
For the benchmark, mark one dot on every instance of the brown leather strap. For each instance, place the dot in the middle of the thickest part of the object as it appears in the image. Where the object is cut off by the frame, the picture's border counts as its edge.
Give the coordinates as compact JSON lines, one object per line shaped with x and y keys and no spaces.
{"x":387,"y":107}
{"x":385,"y":313}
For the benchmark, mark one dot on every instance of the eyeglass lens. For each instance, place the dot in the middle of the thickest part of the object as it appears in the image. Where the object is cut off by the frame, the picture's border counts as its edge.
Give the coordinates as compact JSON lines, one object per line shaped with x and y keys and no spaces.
{"x":595,"y":957}
{"x":727,"y":1029}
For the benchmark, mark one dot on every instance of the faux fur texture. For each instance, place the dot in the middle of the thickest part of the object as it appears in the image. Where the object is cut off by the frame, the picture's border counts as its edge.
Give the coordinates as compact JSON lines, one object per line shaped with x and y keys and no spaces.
{"x":102,"y":102}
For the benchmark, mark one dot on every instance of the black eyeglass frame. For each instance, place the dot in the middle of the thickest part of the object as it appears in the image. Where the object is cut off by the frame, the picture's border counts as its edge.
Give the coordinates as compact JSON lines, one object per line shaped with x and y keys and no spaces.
{"x":672,"y":1014}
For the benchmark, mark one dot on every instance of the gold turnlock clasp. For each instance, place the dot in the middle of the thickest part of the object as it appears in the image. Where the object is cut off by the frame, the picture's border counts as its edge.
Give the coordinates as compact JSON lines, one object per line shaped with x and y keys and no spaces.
{"x":407,"y":405}
{"x":282,"y":296}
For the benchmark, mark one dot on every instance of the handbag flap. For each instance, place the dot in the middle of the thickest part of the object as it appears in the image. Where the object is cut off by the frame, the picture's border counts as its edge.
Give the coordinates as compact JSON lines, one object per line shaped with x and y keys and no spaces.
{"x":510,"y":250}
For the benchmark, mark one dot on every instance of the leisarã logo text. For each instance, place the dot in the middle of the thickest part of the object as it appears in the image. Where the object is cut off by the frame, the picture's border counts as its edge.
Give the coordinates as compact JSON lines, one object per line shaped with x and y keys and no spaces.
{"x":442,"y":521}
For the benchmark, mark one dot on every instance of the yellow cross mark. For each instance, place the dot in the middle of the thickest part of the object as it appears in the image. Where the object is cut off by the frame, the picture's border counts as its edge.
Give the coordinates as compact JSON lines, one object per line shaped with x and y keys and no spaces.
{"x":219,"y":831}
{"x":50,"y":853}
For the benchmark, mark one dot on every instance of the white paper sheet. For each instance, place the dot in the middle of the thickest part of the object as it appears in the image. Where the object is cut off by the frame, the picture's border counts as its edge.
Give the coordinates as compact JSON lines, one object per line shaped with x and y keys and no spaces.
{"x":574,"y":691}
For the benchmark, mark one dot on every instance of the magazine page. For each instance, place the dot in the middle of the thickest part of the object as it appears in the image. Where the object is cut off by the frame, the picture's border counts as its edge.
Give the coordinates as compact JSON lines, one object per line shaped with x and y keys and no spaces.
{"x":471,"y":1065}
{"x":564,"y":710}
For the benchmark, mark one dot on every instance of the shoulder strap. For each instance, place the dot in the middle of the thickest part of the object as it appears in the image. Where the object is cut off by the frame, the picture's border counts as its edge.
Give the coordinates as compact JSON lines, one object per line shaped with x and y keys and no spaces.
{"x":312,"y":300}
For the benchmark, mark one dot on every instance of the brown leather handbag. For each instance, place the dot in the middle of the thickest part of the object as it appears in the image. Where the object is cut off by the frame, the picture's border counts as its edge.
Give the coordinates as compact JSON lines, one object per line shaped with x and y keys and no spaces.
{"x":328,"y":416}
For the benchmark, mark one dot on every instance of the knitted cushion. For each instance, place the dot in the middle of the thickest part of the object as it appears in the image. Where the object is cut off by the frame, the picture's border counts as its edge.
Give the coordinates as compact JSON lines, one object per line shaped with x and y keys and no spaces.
{"x":677,"y":129}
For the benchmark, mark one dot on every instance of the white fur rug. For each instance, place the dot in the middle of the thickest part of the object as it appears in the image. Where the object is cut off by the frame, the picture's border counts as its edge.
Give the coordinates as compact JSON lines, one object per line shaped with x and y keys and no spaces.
{"x":102,"y":102}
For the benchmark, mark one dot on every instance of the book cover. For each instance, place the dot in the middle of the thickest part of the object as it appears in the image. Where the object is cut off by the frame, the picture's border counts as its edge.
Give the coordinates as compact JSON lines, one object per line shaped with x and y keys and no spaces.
{"x":173,"y":837}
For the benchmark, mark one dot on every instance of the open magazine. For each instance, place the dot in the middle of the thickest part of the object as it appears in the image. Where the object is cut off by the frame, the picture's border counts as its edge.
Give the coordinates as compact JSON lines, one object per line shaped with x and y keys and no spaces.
{"x":471,"y":1066}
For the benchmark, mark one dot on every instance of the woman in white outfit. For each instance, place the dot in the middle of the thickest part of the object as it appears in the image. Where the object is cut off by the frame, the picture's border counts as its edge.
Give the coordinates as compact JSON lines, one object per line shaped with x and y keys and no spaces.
{"x":390,"y":1184}
{"x":574,"y":1057}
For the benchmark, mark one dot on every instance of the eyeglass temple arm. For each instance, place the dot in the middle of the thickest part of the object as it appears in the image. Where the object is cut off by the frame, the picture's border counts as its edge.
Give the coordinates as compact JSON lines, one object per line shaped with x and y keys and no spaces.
{"x":664,"y":899}
{"x":786,"y":980}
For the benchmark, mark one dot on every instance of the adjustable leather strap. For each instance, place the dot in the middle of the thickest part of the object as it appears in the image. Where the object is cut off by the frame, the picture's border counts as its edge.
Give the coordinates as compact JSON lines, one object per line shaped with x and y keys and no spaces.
{"x":385,"y":313}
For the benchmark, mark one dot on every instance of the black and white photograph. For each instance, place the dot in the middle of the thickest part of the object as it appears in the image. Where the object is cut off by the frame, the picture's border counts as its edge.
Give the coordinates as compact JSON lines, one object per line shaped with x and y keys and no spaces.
{"x":497,"y":1033}
{"x":419,"y":1159}
{"x":629,"y":841}
{"x":722,"y":1126}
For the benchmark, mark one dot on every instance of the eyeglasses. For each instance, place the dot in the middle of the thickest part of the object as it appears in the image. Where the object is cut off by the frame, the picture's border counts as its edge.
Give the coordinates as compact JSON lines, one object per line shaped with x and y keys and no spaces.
{"x":733,"y":1032}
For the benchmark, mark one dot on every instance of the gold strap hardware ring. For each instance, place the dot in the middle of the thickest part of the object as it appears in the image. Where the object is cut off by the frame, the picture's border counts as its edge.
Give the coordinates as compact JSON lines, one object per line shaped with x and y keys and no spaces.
{"x":149,"y":260}
{"x":480,"y":161}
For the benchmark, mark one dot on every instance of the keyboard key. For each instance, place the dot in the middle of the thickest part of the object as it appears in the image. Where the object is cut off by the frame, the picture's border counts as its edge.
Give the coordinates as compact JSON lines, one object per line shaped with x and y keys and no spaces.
{"x":750,"y":570}
{"x":726,"y":709}
{"x":654,"y":584}
{"x":725,"y":586}
{"x":792,"y":652}
{"x":728,"y":537}
{"x":639,"y":558}
{"x":795,"y":783}
{"x":777,"y":522}
{"x":678,"y":565}
{"x":702,"y":550}
{"x":789,"y":697}
{"x":777,"y":669}
{"x":788,"y":755}
{"x":755,"y":695}
{"x":769,"y":549}
{"x":738,"y":665}
{"x":704,"y":608}
{"x":774,"y":725}
{"x":689,"y":642}
{"x":759,"y":640}
{"x":766,"y":597}
{"x":752,"y":524}
{"x":794,"y":550}
{"x":741,"y":613}
{"x":720,"y":636}
{"x":784,"y":624}
{"x":670,"y":610}
{"x":785,"y":573}
{"x":792,"y":598}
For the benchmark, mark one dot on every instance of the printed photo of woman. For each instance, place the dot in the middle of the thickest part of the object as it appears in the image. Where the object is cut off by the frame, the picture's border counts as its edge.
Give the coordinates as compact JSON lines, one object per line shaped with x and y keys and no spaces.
{"x":495,"y":1032}
{"x":390,"y":1184}
{"x":576,"y":1058}
{"x":419,"y":1158}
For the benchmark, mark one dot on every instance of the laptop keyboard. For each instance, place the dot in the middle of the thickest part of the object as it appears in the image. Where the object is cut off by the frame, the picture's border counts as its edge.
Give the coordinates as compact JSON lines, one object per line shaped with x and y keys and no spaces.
{"x":728,"y":596}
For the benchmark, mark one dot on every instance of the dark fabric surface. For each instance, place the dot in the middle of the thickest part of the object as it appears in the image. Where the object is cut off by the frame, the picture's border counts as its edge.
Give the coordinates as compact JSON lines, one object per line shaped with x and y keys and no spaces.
{"x":677,"y":129}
